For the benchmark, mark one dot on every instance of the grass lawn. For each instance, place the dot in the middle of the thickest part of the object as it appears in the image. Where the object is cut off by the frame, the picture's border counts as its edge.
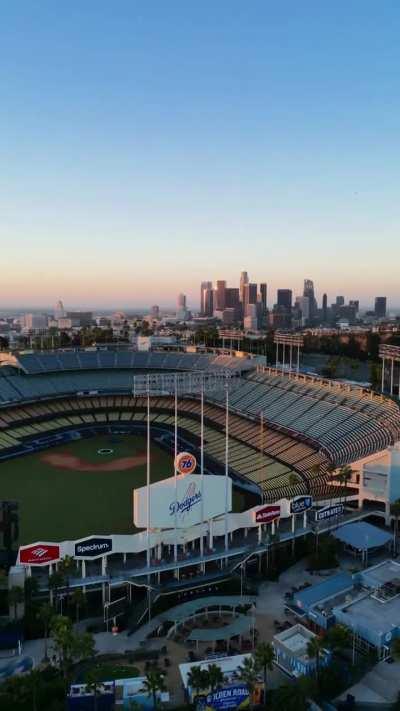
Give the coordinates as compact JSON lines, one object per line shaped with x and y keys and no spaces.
{"x":58,"y":504}
{"x":108,"y":672}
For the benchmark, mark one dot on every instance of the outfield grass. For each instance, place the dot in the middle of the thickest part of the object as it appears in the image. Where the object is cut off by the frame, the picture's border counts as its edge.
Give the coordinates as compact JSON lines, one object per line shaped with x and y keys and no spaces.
{"x":58,"y":504}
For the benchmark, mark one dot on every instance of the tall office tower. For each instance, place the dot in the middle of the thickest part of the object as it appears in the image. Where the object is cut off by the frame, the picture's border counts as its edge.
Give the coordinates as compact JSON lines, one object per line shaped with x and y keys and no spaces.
{"x":249,"y":297}
{"x":380,"y":306}
{"x":220,"y":301}
{"x":155,"y":311}
{"x":355,"y":304}
{"x":263,"y":295}
{"x":340,"y":301}
{"x":308,"y":292}
{"x":204,"y":287}
{"x":325,"y":308}
{"x":181,"y":302}
{"x":302,"y":305}
{"x":209,"y":302}
{"x":284,"y":298}
{"x":231,"y":298}
{"x":59,"y":311}
{"x":244,"y":279}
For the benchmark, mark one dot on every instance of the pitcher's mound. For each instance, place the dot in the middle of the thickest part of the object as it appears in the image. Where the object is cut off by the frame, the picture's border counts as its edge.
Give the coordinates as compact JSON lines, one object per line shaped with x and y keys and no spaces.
{"x":62,"y":460}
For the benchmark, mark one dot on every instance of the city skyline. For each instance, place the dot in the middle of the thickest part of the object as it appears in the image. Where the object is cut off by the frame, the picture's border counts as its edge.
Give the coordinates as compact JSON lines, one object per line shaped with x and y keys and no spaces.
{"x":199,"y":139}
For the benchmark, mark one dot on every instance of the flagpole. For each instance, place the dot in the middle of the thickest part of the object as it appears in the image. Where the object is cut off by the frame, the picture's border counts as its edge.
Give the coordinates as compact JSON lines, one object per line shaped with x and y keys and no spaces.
{"x":202,"y":464}
{"x":175,"y":470}
{"x":226,"y":460}
{"x":148,"y":472}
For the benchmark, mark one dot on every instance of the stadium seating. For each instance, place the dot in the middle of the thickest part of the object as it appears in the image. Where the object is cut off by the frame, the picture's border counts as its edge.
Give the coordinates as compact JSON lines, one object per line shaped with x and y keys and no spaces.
{"x":307,"y":422}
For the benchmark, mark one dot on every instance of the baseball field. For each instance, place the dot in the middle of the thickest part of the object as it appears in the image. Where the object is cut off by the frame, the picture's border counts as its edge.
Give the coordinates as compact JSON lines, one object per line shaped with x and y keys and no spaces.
{"x":71,"y":491}
{"x":84,"y":487}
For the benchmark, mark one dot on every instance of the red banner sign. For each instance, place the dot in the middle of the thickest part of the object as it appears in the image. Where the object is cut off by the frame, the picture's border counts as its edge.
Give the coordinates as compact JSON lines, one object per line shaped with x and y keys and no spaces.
{"x":39,"y":554}
{"x":268,"y":514}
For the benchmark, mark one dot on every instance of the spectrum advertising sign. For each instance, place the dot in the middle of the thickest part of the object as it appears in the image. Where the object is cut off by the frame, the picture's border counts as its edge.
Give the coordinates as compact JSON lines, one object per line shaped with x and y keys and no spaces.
{"x":93,"y":547}
{"x":39,"y":554}
{"x":182,"y":507}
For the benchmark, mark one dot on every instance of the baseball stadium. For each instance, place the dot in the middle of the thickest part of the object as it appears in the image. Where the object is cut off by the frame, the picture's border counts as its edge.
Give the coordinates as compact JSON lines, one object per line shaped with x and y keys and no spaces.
{"x":72,"y":426}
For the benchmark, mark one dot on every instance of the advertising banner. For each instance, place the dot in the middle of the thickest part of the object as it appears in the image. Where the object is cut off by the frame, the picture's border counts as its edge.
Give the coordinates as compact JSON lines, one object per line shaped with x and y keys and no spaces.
{"x":182,"y":502}
{"x":93,"y":547}
{"x":329,"y":512}
{"x":300,"y":504}
{"x":236,"y":696}
{"x":39,"y":554}
{"x":268,"y":513}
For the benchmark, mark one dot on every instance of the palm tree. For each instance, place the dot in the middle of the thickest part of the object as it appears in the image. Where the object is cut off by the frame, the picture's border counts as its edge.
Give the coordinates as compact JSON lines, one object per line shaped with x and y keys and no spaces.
{"x":337,"y":638}
{"x":45,"y":615}
{"x":215,"y":677}
{"x":67,"y":567}
{"x":395,"y":512}
{"x":93,"y":682}
{"x":314,"y":650}
{"x":248,"y":673}
{"x":16,"y":596}
{"x":198,"y":679}
{"x":264,"y":657}
{"x":56,"y":581}
{"x":79,"y":600}
{"x":153,"y":683}
{"x":343,"y":477}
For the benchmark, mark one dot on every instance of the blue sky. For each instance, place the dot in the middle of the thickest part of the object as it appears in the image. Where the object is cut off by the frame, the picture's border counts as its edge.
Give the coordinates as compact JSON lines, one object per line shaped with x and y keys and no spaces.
{"x":149,"y":145}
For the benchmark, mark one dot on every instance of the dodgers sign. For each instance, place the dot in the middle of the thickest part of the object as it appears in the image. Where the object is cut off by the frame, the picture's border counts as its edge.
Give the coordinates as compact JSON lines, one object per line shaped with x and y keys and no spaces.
{"x":300,"y":504}
{"x":329,"y":512}
{"x":93,"y":547}
{"x":185,"y":463}
{"x":182,"y":502}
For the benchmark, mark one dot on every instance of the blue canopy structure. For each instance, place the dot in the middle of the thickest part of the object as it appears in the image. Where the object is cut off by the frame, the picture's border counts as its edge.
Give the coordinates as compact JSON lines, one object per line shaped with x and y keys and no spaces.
{"x":362,"y":536}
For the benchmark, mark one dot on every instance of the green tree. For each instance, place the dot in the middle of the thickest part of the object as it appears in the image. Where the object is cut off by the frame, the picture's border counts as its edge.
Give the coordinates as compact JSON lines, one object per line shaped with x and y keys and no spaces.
{"x":248,"y":673}
{"x":93,"y":684}
{"x":293,"y":697}
{"x":45,"y":614}
{"x":264,"y":658}
{"x":215,"y":677}
{"x":70,"y":646}
{"x":343,"y":477}
{"x":56,"y":581}
{"x":337,"y":638}
{"x":78,"y":599}
{"x":315,"y":648}
{"x":67,"y":568}
{"x":16,"y":596}
{"x":198,"y":679}
{"x":154,"y":683}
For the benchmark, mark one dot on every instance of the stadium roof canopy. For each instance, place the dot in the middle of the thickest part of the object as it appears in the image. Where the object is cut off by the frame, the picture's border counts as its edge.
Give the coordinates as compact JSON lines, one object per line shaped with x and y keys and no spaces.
{"x":181,"y":612}
{"x":362,"y":536}
{"x":240,"y":626}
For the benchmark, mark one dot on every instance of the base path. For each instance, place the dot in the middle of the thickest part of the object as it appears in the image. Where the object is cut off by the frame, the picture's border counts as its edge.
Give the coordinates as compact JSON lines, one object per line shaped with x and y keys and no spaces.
{"x":63,"y":460}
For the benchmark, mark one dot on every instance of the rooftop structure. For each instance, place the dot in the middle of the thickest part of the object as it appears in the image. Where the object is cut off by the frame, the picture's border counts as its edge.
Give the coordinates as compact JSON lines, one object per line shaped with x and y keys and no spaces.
{"x":291,"y":650}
